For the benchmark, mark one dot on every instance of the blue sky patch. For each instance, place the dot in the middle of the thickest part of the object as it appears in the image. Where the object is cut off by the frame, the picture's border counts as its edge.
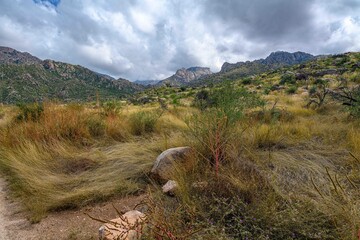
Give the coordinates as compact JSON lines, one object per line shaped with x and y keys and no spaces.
{"x":48,"y":3}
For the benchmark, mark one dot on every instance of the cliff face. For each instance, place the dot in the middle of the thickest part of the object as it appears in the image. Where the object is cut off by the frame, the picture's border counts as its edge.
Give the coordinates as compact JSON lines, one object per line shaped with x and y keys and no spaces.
{"x":184,"y":76}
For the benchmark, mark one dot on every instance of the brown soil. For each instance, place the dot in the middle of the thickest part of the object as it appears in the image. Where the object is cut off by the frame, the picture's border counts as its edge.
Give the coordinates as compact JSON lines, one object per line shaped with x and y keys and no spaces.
{"x":71,"y":224}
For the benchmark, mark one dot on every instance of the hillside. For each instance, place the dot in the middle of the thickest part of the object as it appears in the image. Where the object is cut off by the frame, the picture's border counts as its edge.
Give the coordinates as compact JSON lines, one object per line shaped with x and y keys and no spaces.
{"x":25,"y":78}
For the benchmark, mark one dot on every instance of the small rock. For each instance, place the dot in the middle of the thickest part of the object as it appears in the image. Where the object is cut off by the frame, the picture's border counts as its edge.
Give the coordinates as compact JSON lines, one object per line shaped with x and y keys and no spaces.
{"x":127,"y":227}
{"x":165,"y":163}
{"x":170,"y":187}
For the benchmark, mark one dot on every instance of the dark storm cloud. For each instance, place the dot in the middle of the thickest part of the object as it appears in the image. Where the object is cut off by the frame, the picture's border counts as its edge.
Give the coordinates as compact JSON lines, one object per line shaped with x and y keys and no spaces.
{"x":259,"y":19}
{"x":150,"y":39}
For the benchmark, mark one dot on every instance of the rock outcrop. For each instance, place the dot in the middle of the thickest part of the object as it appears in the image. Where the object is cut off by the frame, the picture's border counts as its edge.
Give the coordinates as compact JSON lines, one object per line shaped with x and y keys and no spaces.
{"x":184,"y":76}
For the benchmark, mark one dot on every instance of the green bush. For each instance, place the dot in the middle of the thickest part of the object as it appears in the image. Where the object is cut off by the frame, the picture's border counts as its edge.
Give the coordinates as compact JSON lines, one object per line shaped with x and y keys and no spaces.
{"x":143,"y":122}
{"x":354,"y":104}
{"x":30,"y":112}
{"x":287,"y":79}
{"x":291,"y":90}
{"x":111,"y":108}
{"x":246,"y":81}
{"x":216,"y":125}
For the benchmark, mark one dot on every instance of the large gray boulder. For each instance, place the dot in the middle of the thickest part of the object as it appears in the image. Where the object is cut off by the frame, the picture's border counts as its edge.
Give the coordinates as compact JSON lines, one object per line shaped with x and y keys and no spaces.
{"x":165,"y":163}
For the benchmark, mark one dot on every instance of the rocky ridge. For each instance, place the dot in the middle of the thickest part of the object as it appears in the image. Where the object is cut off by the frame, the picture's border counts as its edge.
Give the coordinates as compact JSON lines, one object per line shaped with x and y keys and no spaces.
{"x":25,"y":78}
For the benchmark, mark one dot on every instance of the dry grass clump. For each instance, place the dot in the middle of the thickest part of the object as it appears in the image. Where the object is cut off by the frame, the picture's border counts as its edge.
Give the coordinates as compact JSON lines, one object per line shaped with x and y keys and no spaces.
{"x":69,"y":155}
{"x":57,"y":175}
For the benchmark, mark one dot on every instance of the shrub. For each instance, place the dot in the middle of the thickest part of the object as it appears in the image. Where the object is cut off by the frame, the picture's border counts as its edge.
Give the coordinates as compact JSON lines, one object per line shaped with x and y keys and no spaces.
{"x":312,"y":90}
{"x":143,"y":122}
{"x":214,"y":128}
{"x":291,"y":90}
{"x":202,"y":100}
{"x":96,"y":126}
{"x":354,"y":103}
{"x":246,"y":81}
{"x":287,"y":79}
{"x":30,"y":112}
{"x":111,"y":108}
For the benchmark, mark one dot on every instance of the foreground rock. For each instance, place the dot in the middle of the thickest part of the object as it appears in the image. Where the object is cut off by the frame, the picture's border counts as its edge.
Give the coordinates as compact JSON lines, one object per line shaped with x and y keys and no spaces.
{"x":127,"y":227}
{"x":165,"y":163}
{"x":170,"y":187}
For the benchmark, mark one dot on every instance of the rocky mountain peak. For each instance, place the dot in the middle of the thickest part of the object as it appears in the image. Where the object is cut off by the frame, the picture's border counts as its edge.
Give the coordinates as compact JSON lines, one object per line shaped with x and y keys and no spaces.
{"x":12,"y":56}
{"x":183,"y":76}
{"x":286,"y":58}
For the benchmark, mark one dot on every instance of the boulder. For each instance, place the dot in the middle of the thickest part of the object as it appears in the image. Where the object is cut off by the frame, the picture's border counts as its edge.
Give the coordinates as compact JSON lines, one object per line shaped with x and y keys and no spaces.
{"x":127,"y":227}
{"x":170,"y":187}
{"x":165,"y":163}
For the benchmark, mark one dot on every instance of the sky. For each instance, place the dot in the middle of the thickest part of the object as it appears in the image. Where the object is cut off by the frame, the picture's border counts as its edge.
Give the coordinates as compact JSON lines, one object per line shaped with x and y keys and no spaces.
{"x":151,"y":39}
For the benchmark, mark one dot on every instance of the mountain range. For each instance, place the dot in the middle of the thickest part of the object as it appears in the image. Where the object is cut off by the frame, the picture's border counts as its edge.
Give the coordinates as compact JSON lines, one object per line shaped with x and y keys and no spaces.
{"x":26,"y":78}
{"x":232,"y":71}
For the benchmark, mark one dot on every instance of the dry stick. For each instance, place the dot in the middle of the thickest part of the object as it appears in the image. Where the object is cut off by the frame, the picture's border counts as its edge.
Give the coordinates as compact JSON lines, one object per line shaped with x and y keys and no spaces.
{"x":117,"y":211}
{"x":338,"y":183}
{"x":316,"y":188}
{"x":354,"y":157}
{"x":332,"y":181}
{"x":351,"y":182}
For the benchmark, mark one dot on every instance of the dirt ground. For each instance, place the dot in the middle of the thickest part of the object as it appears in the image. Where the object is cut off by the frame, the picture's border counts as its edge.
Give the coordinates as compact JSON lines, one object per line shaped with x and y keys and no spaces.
{"x":71,"y":224}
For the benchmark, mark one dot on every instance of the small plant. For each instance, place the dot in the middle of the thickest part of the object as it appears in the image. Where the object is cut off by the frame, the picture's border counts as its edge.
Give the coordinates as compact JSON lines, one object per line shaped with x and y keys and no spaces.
{"x":30,"y":112}
{"x":214,"y":128}
{"x":111,"y":108}
{"x":287,"y":79}
{"x":246,"y":81}
{"x":291,"y":90}
{"x":143,"y":122}
{"x":96,"y":126}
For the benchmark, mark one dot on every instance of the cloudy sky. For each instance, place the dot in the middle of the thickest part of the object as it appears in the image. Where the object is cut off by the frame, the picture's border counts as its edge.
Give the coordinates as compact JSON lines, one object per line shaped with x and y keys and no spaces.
{"x":150,"y":39}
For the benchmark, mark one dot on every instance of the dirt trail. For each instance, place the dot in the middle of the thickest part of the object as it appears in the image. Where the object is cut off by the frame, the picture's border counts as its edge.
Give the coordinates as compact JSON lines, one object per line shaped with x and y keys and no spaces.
{"x":3,"y":222}
{"x":64,"y":225}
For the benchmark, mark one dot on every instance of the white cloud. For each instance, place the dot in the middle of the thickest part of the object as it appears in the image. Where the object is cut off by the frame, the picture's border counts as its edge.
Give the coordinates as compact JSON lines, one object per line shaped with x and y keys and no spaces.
{"x":151,"y":39}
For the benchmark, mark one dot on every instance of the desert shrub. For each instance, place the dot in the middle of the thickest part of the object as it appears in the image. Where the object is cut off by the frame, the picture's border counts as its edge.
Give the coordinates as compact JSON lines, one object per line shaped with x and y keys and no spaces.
{"x":215,"y":126}
{"x":111,"y":108}
{"x":96,"y":126}
{"x":246,"y":81}
{"x":30,"y":112}
{"x":202,"y":100}
{"x":143,"y":122}
{"x":267,"y":90}
{"x":354,"y":103}
{"x":312,"y":90}
{"x":287,"y":79}
{"x":291,"y":90}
